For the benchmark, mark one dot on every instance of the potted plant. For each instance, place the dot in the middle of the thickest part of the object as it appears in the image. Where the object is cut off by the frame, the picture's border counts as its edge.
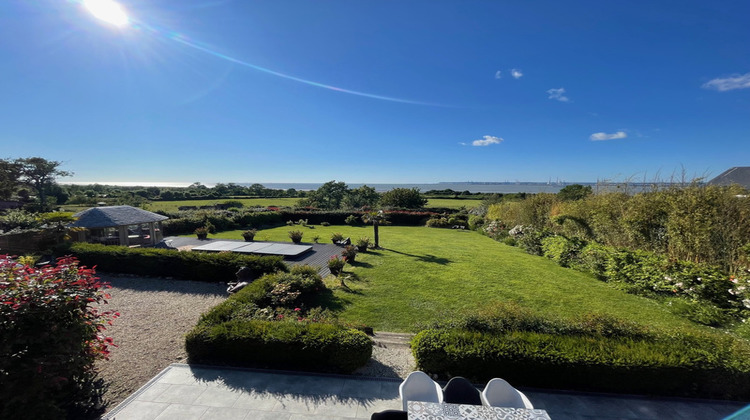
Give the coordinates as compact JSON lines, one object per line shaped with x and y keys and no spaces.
{"x":296,"y":236}
{"x":349,"y":253}
{"x":363,"y":243}
{"x":201,"y":232}
{"x":336,"y":264}
{"x":249,"y":235}
{"x":337,"y":237}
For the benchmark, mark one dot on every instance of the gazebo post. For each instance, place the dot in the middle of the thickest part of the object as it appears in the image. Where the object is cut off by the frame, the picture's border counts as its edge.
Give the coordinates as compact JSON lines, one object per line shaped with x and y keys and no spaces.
{"x":152,"y":233}
{"x":159,"y":232}
{"x":123,"y":235}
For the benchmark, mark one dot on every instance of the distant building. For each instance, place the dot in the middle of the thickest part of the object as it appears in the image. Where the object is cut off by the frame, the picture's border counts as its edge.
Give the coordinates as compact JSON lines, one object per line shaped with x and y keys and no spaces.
{"x":737,"y":175}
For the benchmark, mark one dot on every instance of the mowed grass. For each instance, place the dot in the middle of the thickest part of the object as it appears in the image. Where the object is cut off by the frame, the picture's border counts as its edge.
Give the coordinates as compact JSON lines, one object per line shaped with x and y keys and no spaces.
{"x":425,"y":274}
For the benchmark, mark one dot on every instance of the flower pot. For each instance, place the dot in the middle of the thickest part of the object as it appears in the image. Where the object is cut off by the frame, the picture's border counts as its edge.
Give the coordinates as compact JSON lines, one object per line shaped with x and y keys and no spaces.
{"x":362,"y":248}
{"x":202,"y":236}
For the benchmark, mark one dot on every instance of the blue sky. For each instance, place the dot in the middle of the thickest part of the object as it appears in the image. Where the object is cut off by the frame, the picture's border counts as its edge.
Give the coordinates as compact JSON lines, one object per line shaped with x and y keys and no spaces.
{"x":377,"y":91}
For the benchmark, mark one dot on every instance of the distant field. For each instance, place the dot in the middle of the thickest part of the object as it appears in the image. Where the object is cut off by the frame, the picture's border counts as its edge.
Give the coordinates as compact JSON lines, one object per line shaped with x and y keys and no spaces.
{"x":451,"y":203}
{"x":246,"y":202}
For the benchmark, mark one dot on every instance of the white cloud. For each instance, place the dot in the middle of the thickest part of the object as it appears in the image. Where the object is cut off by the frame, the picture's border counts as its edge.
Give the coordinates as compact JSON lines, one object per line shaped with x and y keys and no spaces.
{"x":558,"y":94}
{"x":605,"y":136}
{"x":516,"y":73}
{"x":498,"y":74}
{"x":738,"y":81}
{"x":462,"y":143}
{"x":487,"y":140}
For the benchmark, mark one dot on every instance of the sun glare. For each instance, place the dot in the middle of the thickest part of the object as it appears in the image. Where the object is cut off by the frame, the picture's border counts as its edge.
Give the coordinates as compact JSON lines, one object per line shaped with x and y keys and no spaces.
{"x":108,"y":11}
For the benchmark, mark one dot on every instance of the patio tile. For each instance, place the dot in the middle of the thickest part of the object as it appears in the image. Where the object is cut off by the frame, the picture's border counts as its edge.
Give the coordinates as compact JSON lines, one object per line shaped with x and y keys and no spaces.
{"x":225,"y":413}
{"x":153,"y":391}
{"x":181,"y":412}
{"x":256,"y":401}
{"x":267,"y":415}
{"x":338,"y":408}
{"x":141,"y":410}
{"x":291,"y":404}
{"x":361,"y":389}
{"x":180,"y":394}
{"x":217,"y":397}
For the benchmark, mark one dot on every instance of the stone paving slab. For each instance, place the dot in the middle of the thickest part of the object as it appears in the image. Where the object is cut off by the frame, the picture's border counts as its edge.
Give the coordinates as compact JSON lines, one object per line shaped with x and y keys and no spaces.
{"x":183,"y":392}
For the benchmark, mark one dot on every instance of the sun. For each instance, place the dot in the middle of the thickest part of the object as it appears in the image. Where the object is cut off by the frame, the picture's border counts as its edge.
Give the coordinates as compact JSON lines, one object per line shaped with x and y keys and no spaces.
{"x":108,"y":11}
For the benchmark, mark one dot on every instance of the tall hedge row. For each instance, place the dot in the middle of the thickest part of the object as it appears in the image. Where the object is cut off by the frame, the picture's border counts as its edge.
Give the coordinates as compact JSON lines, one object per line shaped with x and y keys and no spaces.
{"x":209,"y":267}
{"x":690,"y":366}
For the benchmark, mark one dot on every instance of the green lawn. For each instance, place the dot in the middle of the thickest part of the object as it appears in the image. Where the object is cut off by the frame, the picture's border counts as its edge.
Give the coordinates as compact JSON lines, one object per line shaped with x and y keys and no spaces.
{"x":424,"y":274}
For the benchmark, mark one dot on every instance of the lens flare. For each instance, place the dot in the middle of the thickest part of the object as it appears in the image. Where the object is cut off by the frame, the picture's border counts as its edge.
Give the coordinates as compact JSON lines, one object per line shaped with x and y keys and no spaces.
{"x":108,"y":11}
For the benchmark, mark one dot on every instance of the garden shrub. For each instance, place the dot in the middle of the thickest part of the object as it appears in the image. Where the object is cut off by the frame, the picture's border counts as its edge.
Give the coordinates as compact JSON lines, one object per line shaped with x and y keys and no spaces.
{"x":268,"y":323}
{"x":585,"y":354}
{"x":476,"y":222}
{"x":352,"y":220}
{"x":562,"y":250}
{"x":531,"y":240}
{"x":197,"y":266}
{"x":51,"y":337}
{"x":259,"y":343}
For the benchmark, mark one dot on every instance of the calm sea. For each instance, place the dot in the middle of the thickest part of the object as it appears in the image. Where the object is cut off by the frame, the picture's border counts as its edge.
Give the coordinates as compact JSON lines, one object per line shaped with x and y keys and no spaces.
{"x":474,"y":187}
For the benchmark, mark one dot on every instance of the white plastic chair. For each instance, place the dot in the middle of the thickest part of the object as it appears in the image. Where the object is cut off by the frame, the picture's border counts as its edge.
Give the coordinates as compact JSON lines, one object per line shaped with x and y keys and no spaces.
{"x":419,"y":387}
{"x":499,"y":393}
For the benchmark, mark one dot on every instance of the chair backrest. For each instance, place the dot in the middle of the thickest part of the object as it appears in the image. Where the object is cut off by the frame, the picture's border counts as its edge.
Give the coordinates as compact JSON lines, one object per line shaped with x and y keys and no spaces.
{"x":419,"y":387}
{"x":390,"y":415}
{"x":499,"y":393}
{"x":460,"y":391}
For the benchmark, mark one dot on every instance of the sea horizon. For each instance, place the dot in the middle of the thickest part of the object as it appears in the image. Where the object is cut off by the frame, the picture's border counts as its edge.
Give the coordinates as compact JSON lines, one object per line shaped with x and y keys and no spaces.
{"x":489,"y":187}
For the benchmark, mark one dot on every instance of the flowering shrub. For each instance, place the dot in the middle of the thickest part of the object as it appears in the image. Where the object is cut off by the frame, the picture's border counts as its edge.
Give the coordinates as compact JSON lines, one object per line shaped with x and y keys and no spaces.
{"x":295,"y":236}
{"x":52,"y":333}
{"x":349,"y":253}
{"x":495,"y":230}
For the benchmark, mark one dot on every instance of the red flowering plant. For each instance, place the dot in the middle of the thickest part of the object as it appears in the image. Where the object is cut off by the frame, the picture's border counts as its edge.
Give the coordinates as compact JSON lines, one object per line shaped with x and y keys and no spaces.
{"x":53,"y":332}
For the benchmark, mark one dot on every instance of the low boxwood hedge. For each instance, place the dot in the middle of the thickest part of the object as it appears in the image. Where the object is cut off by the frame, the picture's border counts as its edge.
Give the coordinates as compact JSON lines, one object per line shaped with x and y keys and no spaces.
{"x":259,"y":343}
{"x":199,"y":266}
{"x":674,"y":364}
{"x":232,"y":334}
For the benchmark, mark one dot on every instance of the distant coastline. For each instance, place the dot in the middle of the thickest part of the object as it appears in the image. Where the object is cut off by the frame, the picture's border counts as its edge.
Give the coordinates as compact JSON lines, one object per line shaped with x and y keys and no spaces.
{"x":471,"y":186}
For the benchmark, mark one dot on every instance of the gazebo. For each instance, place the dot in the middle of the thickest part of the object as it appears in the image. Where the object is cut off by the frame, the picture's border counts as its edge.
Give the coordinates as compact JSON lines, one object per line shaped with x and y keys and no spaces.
{"x":120,"y":225}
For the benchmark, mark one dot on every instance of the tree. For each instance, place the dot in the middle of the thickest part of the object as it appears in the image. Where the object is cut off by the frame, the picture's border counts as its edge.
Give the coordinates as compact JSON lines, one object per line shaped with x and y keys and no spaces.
{"x":329,"y":196}
{"x":376,"y":218}
{"x":363,"y":196}
{"x":40,"y":174}
{"x":407,"y":198}
{"x":574,"y":192}
{"x":10,"y":173}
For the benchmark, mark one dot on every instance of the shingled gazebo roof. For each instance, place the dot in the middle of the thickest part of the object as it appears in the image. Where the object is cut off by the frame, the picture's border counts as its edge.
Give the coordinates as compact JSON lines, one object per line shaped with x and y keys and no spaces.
{"x":112,"y":216}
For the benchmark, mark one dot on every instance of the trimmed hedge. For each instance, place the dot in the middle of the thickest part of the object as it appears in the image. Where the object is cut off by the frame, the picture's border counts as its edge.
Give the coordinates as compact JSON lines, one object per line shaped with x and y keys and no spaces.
{"x":307,"y":346}
{"x":183,"y":223}
{"x":678,"y":365}
{"x":338,"y":217}
{"x":199,"y":266}
{"x":229,"y":334}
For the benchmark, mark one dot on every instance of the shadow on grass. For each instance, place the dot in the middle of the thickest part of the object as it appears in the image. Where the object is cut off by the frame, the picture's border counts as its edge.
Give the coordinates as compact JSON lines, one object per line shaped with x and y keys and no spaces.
{"x":327,"y":300}
{"x":424,"y":258}
{"x":361,"y":264}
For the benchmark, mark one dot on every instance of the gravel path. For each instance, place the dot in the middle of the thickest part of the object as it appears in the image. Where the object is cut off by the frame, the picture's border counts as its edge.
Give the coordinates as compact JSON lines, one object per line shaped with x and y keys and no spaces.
{"x":155,"y":314}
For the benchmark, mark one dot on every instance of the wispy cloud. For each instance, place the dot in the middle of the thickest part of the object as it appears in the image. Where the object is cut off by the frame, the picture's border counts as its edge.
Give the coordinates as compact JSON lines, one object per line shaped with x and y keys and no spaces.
{"x":498,"y":74}
{"x":606,"y":136}
{"x":738,"y":81}
{"x":558,"y":94}
{"x":462,"y":143}
{"x":516,"y":73}
{"x":487,"y":140}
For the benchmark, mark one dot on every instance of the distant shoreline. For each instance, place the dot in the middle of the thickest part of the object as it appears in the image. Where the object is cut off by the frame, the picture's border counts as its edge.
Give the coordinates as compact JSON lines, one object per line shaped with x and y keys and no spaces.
{"x":487,"y":187}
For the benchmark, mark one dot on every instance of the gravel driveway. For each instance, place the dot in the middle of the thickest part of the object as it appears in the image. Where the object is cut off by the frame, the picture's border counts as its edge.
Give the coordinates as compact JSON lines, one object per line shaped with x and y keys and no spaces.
{"x":155,"y":315}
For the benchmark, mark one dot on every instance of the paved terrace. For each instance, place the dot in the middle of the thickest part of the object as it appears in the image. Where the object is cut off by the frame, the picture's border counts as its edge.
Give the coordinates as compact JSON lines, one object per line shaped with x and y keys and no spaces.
{"x":318,"y":256}
{"x":184,"y":392}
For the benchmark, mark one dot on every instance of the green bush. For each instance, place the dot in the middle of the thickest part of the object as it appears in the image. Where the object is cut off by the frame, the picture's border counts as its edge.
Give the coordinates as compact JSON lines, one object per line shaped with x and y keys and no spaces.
{"x":352,"y":220}
{"x":562,"y":250}
{"x":267,"y":324}
{"x":585,"y":354}
{"x":257,"y":343}
{"x":199,"y":266}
